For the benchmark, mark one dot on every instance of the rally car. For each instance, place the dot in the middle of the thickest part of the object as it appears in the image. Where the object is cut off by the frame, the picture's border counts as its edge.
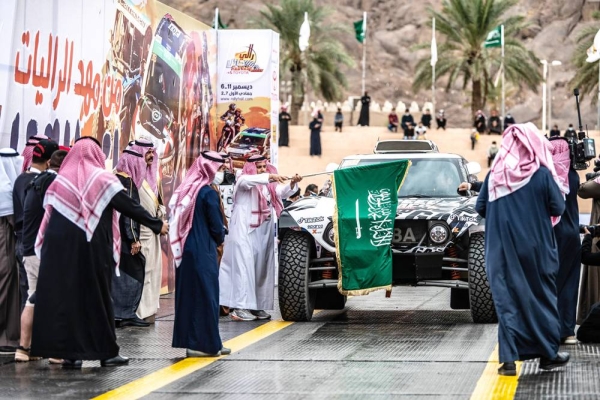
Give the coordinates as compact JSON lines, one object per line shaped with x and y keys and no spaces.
{"x":247,"y":143}
{"x":438,"y":239}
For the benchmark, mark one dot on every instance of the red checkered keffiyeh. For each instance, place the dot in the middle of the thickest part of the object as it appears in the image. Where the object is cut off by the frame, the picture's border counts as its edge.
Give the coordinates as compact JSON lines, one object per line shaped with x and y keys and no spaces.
{"x":562,"y":162}
{"x":28,"y":150}
{"x":522,"y":153}
{"x":183,"y":201}
{"x":264,"y":211}
{"x":133,"y":164}
{"x":81,"y":191}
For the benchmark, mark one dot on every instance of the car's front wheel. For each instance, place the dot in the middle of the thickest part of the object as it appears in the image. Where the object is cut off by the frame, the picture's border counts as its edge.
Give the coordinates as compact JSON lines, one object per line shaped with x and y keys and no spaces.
{"x":296,"y":301}
{"x":480,"y":293}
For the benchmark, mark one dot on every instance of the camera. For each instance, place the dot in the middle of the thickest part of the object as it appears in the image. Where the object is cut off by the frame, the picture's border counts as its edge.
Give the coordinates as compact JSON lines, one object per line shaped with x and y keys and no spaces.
{"x":581,"y":147}
{"x":594,"y":230}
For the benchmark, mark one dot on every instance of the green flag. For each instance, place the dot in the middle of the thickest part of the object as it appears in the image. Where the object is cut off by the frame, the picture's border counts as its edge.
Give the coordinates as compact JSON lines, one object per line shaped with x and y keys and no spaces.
{"x":494,"y":38}
{"x":221,"y":24}
{"x":366,"y":199}
{"x":360,"y":30}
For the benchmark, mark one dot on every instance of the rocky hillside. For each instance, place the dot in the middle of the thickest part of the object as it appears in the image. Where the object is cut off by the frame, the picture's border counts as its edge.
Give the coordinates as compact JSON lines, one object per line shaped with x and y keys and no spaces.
{"x":397,"y":25}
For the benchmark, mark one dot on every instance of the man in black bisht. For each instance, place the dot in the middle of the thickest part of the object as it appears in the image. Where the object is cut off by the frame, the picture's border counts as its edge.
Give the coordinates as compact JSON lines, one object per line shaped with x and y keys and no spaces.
{"x":127,"y":288}
{"x":365,"y":102}
{"x":78,"y":246}
{"x":284,"y":119}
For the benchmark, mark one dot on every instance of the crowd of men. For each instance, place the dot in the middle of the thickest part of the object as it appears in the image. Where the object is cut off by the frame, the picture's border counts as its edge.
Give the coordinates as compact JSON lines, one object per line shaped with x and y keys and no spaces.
{"x":83,"y":249}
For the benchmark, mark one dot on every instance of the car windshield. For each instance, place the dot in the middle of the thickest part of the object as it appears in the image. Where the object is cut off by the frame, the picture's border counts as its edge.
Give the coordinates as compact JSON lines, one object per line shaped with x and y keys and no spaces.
{"x":427,"y":177}
{"x":250,"y":139}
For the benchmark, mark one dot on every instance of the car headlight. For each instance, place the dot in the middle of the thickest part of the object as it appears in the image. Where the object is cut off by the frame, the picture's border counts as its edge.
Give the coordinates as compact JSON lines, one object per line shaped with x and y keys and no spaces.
{"x":438,"y":234}
{"x":329,"y":235}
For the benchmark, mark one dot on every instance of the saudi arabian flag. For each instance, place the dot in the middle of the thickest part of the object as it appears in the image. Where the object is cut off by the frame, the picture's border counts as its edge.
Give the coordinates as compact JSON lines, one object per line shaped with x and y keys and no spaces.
{"x":366,"y":199}
{"x":494,"y":38}
{"x":360,"y":30}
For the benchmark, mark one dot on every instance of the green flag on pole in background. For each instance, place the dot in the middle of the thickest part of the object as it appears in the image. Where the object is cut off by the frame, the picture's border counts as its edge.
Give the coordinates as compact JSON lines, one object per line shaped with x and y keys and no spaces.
{"x":494,"y":38}
{"x":366,"y":198}
{"x":360,"y":30}
{"x":221,"y":25}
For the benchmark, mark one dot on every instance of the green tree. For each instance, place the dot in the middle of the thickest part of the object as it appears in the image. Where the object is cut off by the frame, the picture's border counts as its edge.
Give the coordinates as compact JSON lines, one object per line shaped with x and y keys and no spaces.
{"x":324,"y":56}
{"x":586,"y":77}
{"x":465,"y":25}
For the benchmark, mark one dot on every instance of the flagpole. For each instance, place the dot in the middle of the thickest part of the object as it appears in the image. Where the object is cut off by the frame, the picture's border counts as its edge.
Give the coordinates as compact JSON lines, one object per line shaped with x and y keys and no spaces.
{"x":433,"y":112}
{"x":364,"y":59}
{"x":502,"y":66}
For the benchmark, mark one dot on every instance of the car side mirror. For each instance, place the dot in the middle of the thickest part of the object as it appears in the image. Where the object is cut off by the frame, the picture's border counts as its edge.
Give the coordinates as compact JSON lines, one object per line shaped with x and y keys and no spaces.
{"x":473,"y":168}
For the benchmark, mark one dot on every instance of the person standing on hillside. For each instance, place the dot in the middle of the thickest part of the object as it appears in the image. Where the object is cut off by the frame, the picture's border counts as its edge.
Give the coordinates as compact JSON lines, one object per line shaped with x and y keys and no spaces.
{"x":315,"y":135}
{"x":338,"y":120}
{"x":426,"y":118}
{"x":365,"y":103}
{"x":393,"y":121}
{"x":284,"y":133}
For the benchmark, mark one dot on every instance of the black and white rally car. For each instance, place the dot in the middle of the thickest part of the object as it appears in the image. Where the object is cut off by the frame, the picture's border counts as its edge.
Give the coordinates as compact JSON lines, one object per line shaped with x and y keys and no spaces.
{"x":438,"y":236}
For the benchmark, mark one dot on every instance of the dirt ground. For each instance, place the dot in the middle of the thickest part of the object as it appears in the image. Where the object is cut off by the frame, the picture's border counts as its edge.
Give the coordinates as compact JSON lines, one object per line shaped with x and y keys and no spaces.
{"x":361,"y":140}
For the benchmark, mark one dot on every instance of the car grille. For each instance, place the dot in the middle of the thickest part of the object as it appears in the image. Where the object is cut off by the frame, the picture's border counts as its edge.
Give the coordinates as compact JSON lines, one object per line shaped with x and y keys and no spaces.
{"x":409,"y":232}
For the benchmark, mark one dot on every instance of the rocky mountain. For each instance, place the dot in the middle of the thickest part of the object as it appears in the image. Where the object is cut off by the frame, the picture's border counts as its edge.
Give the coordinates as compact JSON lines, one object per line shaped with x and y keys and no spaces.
{"x":395,"y":26}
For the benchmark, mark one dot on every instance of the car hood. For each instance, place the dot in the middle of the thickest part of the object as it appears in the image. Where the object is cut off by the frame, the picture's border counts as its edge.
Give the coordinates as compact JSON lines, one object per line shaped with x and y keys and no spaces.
{"x":458,"y":212}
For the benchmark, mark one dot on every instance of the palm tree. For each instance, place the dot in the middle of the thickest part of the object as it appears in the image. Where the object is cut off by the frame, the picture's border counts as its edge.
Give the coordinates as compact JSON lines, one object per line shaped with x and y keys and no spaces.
{"x":586,"y":77}
{"x":324,"y":56}
{"x":465,"y":25}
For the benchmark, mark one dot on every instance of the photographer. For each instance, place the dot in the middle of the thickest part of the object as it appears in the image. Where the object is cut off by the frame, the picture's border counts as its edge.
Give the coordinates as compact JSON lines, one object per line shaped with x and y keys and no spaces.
{"x":589,"y":331}
{"x":590,"y":277}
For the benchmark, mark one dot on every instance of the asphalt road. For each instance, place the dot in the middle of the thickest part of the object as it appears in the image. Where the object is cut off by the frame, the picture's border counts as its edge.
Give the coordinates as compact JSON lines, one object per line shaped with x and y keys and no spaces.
{"x":411,"y":345}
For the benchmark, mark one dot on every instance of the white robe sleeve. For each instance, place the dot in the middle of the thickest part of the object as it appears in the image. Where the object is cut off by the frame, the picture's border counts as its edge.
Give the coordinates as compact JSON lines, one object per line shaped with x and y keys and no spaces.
{"x":285,"y":191}
{"x":247,"y":182}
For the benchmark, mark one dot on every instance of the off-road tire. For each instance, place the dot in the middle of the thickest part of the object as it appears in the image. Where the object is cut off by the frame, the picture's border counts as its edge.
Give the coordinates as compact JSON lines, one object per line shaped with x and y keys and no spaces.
{"x":483,"y":310}
{"x":296,"y":302}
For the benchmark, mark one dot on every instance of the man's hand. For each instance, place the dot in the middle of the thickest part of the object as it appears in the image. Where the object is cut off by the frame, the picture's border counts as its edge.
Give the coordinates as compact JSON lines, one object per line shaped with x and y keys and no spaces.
{"x":295,"y":179}
{"x":277,"y":178}
{"x":464,"y":186}
{"x":135,"y":248}
{"x":585,"y":231}
{"x":165,"y":229}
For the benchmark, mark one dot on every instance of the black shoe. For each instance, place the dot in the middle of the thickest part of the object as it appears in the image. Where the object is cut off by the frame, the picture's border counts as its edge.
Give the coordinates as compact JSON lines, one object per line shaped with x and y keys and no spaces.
{"x":10,"y":350}
{"x":72,"y":364}
{"x":508,"y":369}
{"x":561,"y":359}
{"x":133,"y":322}
{"x":115,"y":362}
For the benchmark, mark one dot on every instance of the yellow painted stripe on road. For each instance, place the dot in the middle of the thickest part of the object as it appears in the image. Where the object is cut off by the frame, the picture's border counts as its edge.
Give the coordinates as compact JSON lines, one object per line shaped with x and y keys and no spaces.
{"x":156,"y":380}
{"x":494,"y":386}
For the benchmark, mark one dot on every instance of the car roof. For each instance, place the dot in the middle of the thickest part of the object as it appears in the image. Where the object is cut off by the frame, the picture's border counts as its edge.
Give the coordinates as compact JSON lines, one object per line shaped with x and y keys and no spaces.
{"x":398,"y":156}
{"x":260,"y":131}
{"x":404,"y":146}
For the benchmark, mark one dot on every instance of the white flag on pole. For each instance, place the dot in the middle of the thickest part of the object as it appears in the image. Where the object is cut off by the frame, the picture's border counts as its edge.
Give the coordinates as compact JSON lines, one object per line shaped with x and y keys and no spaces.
{"x":593,"y":53}
{"x":434,"y":55}
{"x":304,"y":33}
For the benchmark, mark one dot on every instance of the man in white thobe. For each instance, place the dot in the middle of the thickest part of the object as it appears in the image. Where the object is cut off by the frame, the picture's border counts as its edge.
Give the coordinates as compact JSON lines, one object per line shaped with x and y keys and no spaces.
{"x":151,"y":249}
{"x":247,"y":273}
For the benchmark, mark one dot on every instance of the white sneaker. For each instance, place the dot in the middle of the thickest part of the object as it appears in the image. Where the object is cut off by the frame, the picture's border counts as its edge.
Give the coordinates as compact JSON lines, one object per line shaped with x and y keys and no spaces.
{"x":260,"y":314}
{"x":242,"y":315}
{"x":570,"y":340}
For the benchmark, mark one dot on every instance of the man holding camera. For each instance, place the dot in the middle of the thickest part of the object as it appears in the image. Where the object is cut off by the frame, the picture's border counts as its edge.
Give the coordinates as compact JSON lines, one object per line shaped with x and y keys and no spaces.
{"x":589,"y":293}
{"x":589,"y":330}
